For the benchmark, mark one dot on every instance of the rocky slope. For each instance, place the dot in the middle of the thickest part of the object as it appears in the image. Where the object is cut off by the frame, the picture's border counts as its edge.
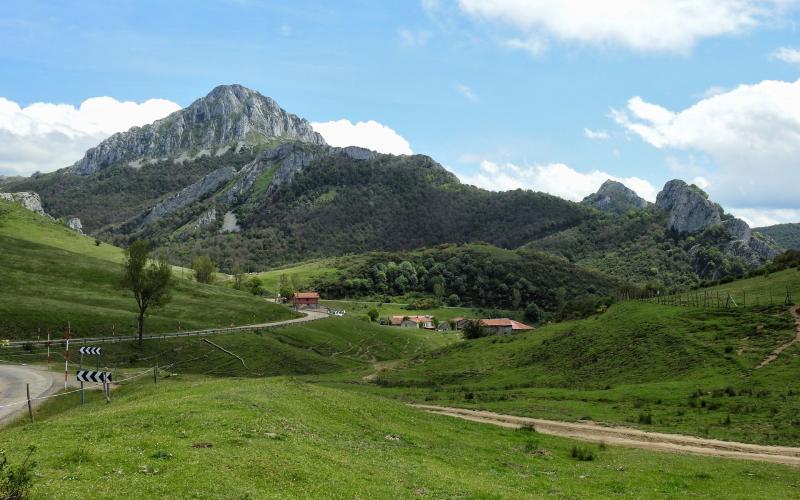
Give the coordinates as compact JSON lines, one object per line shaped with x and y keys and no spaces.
{"x":614,"y":197}
{"x":228,"y":117}
{"x":28,"y":200}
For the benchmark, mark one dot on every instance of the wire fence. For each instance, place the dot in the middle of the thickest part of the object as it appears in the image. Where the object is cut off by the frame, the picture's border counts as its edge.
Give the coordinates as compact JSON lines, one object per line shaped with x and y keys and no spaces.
{"x":726,"y":297}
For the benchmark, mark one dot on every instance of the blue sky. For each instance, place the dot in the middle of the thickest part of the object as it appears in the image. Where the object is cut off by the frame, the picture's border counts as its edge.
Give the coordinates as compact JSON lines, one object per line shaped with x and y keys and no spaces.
{"x":502,"y":92}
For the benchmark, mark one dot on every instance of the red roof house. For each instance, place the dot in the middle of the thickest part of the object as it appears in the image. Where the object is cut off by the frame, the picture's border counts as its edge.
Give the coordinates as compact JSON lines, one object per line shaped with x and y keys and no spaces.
{"x":502,"y":326}
{"x":305,"y":300}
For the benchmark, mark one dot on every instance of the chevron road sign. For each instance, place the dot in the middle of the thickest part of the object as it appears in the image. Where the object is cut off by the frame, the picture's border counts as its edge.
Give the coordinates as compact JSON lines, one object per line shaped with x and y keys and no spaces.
{"x":91,"y":350}
{"x":93,"y":376}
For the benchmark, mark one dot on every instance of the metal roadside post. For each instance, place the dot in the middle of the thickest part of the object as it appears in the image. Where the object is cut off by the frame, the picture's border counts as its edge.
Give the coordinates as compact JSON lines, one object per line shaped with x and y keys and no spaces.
{"x":93,"y":351}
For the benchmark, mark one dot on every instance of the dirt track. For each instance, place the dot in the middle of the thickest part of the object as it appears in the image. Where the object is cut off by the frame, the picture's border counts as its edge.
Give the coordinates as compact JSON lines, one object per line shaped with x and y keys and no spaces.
{"x":774,"y":355}
{"x":628,"y":437}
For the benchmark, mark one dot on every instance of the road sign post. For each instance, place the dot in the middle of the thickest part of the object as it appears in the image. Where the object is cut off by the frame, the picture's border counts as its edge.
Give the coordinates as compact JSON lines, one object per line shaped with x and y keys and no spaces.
{"x":92,"y":351}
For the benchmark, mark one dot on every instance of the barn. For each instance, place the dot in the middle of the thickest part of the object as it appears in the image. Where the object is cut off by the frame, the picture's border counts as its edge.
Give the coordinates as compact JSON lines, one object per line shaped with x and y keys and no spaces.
{"x":305,"y":300}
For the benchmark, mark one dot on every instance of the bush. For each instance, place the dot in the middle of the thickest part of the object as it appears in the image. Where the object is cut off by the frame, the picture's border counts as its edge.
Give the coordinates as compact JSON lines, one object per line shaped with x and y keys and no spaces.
{"x":645,"y":418}
{"x":16,"y":482}
{"x":533,"y":313}
{"x":582,"y":454}
{"x":203,"y":269}
{"x":254,"y":285}
{"x":473,"y":330}
{"x":453,"y":300}
{"x":373,"y":314}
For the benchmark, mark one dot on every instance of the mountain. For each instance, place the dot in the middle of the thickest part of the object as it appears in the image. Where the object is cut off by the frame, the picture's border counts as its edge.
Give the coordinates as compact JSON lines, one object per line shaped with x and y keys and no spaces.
{"x":230,"y":116}
{"x":682,"y":238}
{"x":238,"y":178}
{"x":786,"y":235}
{"x":614,"y":197}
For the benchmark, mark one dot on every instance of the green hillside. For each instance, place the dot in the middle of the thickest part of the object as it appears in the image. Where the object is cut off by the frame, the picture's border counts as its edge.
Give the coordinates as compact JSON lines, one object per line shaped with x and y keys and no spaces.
{"x":53,"y":276}
{"x":195,"y":437}
{"x":786,"y":235}
{"x":674,"y":369}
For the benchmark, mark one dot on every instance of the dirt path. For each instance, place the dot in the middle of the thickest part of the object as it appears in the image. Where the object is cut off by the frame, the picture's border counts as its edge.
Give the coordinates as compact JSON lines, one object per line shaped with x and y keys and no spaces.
{"x":772,"y":357}
{"x":632,"y":438}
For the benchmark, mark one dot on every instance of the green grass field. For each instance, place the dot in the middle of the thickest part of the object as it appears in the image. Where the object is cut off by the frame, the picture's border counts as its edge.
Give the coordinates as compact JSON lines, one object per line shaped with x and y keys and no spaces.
{"x":192,"y":437}
{"x":664,"y":368}
{"x":360,"y":308}
{"x":53,"y":277}
{"x":300,"y":274}
{"x":324,"y":346}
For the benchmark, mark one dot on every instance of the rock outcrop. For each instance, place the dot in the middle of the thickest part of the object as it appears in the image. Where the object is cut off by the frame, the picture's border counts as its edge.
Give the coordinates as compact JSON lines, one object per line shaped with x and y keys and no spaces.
{"x":615,"y":197}
{"x":190,"y":194}
{"x":689,"y":209}
{"x":27,"y":199}
{"x":74,"y":223}
{"x":230,"y":115}
{"x":286,"y":160}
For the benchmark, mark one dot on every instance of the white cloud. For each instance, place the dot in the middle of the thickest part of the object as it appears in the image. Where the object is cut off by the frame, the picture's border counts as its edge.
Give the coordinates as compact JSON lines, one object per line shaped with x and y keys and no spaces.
{"x":411,"y":38}
{"x":369,"y":134}
{"x":45,"y":136}
{"x":751,"y":133}
{"x":643,"y":25}
{"x":467,"y":92}
{"x":555,"y":178}
{"x":787,"y":54}
{"x":758,"y":217}
{"x":596,"y":135}
{"x":533,"y":45}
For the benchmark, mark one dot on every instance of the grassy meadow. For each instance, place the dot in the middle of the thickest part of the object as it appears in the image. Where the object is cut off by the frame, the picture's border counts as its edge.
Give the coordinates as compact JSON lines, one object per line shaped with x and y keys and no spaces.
{"x":662,"y":368}
{"x":53,"y":277}
{"x":193,"y":436}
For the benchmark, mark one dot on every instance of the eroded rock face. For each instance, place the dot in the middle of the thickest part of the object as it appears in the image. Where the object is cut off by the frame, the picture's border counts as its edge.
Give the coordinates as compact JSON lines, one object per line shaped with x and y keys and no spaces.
{"x":738,"y":229}
{"x":615,"y":197}
{"x":287,"y":160}
{"x":27,"y":199}
{"x":190,"y":194}
{"x":75,"y":224}
{"x":689,"y":209}
{"x":229,"y":114}
{"x":206,"y":218}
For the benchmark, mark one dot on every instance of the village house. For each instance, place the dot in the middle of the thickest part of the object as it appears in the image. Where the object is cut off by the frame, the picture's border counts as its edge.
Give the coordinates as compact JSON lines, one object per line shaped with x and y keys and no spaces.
{"x":503,"y":326}
{"x":305,"y":300}
{"x":459,"y":322}
{"x":425,"y":322}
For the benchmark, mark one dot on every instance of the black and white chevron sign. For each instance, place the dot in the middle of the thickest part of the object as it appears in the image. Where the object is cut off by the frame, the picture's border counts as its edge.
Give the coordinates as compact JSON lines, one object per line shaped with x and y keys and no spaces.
{"x":92,"y":376}
{"x":91,"y":350}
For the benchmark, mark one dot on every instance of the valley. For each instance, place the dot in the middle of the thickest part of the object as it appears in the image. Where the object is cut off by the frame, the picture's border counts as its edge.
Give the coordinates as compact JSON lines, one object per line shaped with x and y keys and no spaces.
{"x":607,"y":347}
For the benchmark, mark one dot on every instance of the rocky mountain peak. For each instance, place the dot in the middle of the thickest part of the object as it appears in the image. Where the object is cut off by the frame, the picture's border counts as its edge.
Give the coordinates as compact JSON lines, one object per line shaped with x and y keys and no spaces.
{"x":688,"y":206}
{"x":27,"y":199}
{"x":615,"y":197}
{"x":229,"y":116}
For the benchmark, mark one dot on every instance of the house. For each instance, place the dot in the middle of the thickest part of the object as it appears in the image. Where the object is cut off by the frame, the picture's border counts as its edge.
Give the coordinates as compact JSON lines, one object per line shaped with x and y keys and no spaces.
{"x":444,"y":326}
{"x":459,"y":322}
{"x":305,"y":300}
{"x":412,"y":322}
{"x":503,"y":326}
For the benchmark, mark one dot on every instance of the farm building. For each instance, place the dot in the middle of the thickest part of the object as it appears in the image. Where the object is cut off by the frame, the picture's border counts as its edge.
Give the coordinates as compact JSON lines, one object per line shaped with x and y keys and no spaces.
{"x":412,"y":322}
{"x":305,"y":300}
{"x":503,"y":326}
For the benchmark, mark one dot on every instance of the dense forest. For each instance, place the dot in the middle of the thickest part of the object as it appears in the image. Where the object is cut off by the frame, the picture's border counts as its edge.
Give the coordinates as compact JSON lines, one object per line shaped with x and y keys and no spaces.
{"x":637,"y":247}
{"x":476,"y":275}
{"x":786,"y":235}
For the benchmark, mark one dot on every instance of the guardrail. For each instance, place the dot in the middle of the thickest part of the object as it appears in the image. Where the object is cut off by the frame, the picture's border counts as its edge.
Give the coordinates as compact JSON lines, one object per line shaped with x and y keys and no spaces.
{"x":162,"y":336}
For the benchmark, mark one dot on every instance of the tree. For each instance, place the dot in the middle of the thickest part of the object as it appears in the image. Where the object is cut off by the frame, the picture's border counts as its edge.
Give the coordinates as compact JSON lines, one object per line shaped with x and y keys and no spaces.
{"x":254,"y":285}
{"x":533,"y":313}
{"x":438,"y":291}
{"x":149,"y":280}
{"x":473,"y":329}
{"x":453,"y":300}
{"x":373,"y":314}
{"x":285,"y":289}
{"x":238,"y":276}
{"x":203,"y":268}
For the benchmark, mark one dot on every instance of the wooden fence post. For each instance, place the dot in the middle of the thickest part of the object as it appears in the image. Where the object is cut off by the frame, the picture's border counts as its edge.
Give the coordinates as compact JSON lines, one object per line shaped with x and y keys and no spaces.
{"x":30,"y":408}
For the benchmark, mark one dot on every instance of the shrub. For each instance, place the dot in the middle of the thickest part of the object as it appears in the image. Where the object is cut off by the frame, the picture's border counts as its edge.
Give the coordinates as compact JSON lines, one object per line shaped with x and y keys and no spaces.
{"x":582,"y":454}
{"x":645,"y":418}
{"x":453,"y":300}
{"x":373,"y":314}
{"x":16,"y":482}
{"x":533,"y":313}
{"x":203,"y":269}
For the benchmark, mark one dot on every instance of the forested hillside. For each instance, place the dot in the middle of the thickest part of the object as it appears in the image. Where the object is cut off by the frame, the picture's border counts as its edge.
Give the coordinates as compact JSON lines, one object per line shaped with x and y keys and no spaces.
{"x":787,"y":235}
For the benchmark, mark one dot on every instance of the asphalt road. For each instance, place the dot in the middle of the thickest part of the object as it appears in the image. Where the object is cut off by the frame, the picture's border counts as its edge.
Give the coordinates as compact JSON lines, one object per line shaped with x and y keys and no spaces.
{"x":13,"y":379}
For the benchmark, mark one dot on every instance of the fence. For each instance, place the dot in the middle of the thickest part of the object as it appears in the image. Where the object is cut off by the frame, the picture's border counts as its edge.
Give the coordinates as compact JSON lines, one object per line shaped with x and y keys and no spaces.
{"x":724,"y":298}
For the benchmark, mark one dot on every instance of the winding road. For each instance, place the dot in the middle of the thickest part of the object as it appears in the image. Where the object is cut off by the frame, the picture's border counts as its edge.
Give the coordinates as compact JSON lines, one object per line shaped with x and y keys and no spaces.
{"x":12,"y":387}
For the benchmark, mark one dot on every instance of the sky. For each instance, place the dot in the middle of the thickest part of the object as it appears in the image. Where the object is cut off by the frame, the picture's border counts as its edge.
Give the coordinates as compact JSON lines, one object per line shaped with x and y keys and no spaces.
{"x":550,"y":95}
